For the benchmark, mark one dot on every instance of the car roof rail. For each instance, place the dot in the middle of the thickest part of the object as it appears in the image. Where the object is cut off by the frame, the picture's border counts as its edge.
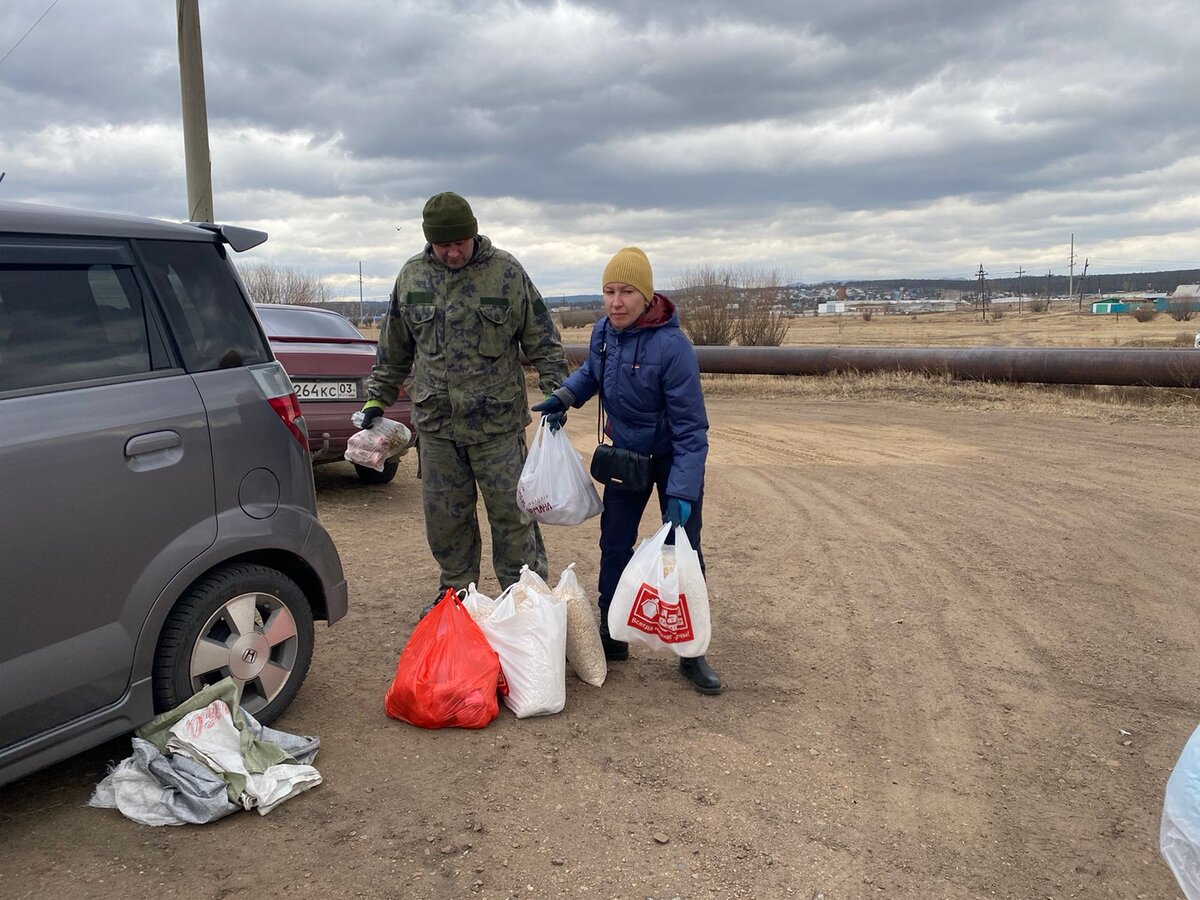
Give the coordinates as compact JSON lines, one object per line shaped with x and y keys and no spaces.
{"x":240,"y":239}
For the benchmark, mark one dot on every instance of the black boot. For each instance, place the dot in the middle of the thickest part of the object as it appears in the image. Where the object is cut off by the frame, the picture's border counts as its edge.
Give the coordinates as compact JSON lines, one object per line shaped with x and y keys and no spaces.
{"x":426,"y":610}
{"x":702,"y":676}
{"x":614,"y":651}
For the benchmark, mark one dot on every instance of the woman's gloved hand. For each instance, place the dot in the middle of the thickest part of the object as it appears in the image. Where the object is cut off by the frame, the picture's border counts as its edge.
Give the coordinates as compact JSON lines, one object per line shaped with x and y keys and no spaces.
{"x":554,"y":410}
{"x":678,"y":511}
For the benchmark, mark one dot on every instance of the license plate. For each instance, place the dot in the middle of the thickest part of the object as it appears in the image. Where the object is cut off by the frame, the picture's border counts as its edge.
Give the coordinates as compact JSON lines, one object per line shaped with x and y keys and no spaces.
{"x":326,"y":390}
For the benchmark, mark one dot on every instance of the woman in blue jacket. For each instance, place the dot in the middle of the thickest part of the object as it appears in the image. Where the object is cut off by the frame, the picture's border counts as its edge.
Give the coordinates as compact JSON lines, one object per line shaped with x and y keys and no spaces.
{"x":645,"y":369}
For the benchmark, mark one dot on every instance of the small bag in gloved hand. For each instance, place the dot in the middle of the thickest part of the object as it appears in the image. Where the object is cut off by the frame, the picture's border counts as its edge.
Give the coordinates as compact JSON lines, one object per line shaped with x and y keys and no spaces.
{"x":553,"y":488}
{"x":447,"y":674}
{"x":374,"y":446}
{"x":661,"y":601}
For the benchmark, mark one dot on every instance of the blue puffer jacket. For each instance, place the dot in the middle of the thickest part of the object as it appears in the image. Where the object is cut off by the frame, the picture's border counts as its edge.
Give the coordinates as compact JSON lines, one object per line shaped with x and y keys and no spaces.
{"x":652,"y":392}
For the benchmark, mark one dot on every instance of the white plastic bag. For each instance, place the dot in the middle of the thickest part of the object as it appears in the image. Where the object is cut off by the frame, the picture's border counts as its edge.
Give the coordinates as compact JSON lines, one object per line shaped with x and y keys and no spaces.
{"x":661,"y":601}
{"x":373,"y":447}
{"x":1179,"y":833}
{"x":585,"y":653}
{"x":478,"y":604}
{"x":528,"y":631}
{"x":553,"y":488}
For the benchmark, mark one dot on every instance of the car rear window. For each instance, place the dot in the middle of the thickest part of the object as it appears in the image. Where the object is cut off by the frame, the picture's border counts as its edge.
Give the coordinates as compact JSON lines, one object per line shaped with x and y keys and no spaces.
{"x":61,"y":324}
{"x":208,"y":315}
{"x":280,"y":322}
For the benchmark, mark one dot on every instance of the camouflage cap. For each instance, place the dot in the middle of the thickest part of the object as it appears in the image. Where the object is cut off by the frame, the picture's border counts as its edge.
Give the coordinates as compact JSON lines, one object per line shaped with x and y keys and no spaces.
{"x":447,"y":217}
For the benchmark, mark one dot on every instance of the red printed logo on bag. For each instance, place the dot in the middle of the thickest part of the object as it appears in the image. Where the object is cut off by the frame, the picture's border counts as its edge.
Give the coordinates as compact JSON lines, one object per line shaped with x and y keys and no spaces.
{"x":502,"y":684}
{"x":669,"y":622}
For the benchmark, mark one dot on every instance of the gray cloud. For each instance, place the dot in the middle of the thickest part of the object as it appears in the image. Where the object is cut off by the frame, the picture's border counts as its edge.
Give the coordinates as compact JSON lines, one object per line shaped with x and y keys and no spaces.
{"x":859,"y":138}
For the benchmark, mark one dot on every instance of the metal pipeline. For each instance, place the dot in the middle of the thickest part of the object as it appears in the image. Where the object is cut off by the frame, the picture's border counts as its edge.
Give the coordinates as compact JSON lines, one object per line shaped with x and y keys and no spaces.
{"x":1148,"y":368}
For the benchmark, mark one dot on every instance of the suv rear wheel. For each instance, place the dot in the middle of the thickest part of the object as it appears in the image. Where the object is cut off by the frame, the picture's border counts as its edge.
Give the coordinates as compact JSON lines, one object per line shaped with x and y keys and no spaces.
{"x":247,"y":621}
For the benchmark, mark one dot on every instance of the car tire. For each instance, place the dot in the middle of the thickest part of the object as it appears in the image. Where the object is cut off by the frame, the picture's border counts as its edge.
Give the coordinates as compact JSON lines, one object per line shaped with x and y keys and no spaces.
{"x":244,"y":620}
{"x":370,"y":476}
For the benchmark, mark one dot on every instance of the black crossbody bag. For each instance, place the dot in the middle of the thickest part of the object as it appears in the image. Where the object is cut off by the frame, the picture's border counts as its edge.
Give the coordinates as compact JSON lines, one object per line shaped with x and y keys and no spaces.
{"x":616,"y":467}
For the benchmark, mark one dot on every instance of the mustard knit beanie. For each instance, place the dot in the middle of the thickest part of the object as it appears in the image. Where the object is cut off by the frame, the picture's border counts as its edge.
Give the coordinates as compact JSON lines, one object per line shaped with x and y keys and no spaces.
{"x":447,"y":217}
{"x":630,"y":266}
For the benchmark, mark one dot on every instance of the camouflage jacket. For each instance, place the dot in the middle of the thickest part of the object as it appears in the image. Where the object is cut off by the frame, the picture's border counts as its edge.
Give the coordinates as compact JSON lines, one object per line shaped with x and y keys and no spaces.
{"x":459,"y":333}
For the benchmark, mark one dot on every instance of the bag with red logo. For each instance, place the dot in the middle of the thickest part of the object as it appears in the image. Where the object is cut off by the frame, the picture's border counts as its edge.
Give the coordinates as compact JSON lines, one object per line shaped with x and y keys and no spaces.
{"x":661,"y":601}
{"x":447,"y":674}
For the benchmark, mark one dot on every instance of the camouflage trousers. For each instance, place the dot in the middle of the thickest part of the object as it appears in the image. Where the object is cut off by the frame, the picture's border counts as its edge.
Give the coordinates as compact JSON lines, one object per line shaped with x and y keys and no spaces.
{"x":452,"y":478}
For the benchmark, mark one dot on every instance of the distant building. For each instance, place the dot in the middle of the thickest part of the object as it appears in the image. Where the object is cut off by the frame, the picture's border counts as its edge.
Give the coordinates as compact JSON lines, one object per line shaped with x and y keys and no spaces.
{"x":1127,"y":303}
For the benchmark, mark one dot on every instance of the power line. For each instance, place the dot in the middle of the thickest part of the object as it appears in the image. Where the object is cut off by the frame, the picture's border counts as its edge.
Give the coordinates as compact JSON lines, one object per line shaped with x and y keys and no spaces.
{"x":26,"y":34}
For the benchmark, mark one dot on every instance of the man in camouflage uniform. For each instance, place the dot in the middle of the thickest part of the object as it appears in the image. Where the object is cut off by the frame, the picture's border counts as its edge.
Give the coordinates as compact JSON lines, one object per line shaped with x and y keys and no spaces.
{"x":460,"y":312}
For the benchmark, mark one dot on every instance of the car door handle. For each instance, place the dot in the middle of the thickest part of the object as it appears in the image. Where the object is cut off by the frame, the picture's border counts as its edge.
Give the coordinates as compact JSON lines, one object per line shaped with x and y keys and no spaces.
{"x":148,"y":443}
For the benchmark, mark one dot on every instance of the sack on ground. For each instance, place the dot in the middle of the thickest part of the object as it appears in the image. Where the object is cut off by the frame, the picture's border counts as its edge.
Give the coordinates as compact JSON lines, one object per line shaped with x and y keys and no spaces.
{"x":447,"y":674}
{"x":585,"y":653}
{"x":528,"y":631}
{"x":553,"y":488}
{"x":205,"y":759}
{"x":1179,"y":832}
{"x":661,"y":601}
{"x":373,"y":447}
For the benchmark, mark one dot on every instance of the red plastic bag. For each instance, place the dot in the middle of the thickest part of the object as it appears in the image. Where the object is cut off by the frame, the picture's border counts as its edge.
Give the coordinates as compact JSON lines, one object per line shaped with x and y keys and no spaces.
{"x":447,"y":674}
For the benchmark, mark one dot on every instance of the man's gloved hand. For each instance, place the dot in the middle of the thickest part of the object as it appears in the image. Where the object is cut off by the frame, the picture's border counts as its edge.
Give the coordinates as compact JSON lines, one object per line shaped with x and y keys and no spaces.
{"x":554,"y":410}
{"x":370,"y":414}
{"x":678,"y":511}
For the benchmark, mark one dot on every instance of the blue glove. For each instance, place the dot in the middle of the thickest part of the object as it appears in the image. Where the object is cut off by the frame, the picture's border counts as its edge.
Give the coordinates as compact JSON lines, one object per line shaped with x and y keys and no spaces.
{"x":678,"y":511}
{"x":554,"y":411}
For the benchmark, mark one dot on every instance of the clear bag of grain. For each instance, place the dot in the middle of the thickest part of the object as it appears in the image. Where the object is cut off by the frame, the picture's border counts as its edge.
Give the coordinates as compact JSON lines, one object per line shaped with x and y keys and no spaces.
{"x":585,"y":653}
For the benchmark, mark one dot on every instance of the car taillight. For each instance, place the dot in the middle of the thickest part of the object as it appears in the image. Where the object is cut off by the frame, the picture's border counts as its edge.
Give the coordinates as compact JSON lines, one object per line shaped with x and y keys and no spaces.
{"x":277,"y":388}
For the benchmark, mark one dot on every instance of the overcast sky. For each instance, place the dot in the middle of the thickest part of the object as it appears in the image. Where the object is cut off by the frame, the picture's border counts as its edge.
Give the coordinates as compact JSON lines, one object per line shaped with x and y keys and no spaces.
{"x":852,"y":139}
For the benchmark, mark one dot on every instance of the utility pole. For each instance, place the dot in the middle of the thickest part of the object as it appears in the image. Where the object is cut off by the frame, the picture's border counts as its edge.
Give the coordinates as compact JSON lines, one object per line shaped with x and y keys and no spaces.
{"x":360,"y":297}
{"x":1020,"y":272}
{"x":195,"y":115}
{"x":1071,"y":274}
{"x":1082,"y":282}
{"x":982,"y":302}
{"x":1048,"y":274}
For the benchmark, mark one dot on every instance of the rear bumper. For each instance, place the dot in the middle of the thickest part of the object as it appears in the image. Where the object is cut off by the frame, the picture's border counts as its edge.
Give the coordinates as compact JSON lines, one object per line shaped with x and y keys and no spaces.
{"x":322,"y":555}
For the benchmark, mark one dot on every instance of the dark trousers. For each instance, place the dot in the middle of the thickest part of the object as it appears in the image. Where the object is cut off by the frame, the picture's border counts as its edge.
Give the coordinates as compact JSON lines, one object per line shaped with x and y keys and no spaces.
{"x":619,"y":527}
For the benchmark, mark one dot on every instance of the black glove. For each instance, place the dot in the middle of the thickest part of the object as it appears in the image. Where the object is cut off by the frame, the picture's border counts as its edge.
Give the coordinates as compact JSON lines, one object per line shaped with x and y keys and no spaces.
{"x":370,"y":414}
{"x":553,"y":410}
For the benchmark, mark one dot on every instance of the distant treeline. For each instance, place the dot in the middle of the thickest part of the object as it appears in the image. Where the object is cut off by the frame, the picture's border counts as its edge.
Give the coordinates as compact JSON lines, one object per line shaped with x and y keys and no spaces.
{"x":1031,"y":283}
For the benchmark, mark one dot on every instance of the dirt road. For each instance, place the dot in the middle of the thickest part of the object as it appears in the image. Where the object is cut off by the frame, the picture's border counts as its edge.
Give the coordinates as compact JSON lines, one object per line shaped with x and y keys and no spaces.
{"x":960,"y":649}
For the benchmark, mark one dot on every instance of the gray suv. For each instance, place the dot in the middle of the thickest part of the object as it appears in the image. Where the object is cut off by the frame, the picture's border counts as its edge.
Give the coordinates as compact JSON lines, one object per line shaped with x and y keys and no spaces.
{"x":158,"y":526}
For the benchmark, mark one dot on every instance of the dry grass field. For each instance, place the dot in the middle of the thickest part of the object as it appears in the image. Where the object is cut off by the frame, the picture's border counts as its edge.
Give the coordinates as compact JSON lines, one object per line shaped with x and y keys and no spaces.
{"x":1056,"y":328}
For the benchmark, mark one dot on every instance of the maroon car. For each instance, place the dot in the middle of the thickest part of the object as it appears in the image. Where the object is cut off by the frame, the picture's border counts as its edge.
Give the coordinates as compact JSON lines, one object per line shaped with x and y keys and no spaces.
{"x":329,"y":362}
